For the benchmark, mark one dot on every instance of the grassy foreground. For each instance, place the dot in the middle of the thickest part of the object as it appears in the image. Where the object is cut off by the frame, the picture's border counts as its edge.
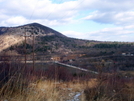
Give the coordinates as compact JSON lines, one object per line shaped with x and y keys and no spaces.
{"x":19,"y":84}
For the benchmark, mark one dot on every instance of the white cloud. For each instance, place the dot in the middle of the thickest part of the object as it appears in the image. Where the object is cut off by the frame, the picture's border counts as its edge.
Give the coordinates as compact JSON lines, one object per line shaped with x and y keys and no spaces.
{"x":50,"y":13}
{"x":106,"y":34}
{"x":108,"y":5}
{"x":113,"y":34}
{"x":119,"y":12}
{"x":44,"y":10}
{"x":117,"y":18}
{"x":15,"y":20}
{"x":73,"y":34}
{"x":108,"y":11}
{"x":68,"y":8}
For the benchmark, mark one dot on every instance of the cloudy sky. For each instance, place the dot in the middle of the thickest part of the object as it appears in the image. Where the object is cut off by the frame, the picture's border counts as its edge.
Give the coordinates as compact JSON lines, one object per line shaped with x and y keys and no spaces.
{"x":104,"y":20}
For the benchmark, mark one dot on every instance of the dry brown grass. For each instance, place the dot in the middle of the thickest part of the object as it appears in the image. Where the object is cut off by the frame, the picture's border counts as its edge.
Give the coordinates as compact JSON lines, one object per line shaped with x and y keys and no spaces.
{"x":42,"y":91}
{"x":29,"y":87}
{"x":48,"y":90}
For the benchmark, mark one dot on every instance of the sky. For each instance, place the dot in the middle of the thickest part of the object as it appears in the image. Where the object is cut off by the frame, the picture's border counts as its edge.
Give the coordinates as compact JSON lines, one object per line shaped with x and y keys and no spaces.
{"x":101,"y":20}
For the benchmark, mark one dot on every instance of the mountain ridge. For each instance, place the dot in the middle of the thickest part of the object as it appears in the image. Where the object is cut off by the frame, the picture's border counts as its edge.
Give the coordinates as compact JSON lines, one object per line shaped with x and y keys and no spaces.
{"x":10,"y":36}
{"x":27,"y":27}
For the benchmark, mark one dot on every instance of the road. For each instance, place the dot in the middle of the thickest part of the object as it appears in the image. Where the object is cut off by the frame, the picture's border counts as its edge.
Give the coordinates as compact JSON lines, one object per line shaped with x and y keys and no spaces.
{"x":79,"y":68}
{"x":29,"y":61}
{"x":63,"y":64}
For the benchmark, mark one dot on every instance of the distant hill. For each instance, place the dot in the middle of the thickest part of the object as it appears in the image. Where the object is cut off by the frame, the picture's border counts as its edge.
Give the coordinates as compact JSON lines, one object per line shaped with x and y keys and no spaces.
{"x":29,"y":28}
{"x":10,"y":36}
{"x":51,"y":42}
{"x":48,"y":43}
{"x":46,"y":39}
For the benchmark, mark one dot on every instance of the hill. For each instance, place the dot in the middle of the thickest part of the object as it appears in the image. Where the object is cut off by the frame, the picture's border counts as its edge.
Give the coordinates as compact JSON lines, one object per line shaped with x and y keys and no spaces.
{"x":46,"y":43}
{"x":10,"y":36}
{"x":30,"y":58}
{"x":45,"y":39}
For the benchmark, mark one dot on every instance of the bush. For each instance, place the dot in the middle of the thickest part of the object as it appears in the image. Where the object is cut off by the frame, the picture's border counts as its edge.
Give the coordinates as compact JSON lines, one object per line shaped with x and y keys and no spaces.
{"x":114,"y":88}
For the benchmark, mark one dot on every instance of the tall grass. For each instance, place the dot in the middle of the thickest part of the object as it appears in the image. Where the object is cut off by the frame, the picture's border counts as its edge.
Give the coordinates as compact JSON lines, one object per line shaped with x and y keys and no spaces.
{"x":111,"y":88}
{"x":57,"y":84}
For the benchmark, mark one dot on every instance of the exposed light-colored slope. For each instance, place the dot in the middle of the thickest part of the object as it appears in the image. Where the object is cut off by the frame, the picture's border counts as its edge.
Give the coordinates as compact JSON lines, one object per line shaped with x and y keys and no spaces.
{"x":7,"y":41}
